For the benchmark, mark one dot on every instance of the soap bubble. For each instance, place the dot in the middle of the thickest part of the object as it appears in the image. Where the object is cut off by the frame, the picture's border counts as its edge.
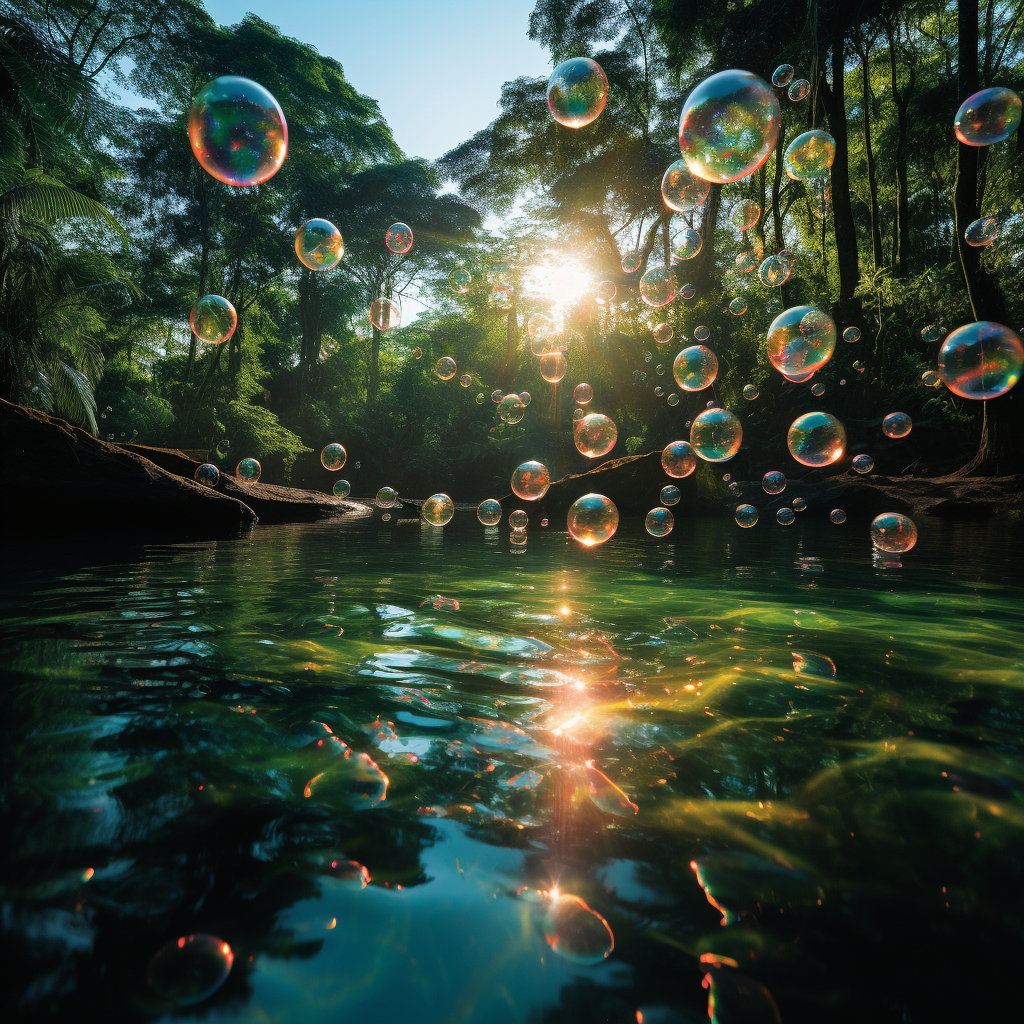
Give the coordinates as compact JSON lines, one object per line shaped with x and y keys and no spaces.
{"x":333,"y":456}
{"x":658,"y":286}
{"x":983,"y":231}
{"x":785,"y":516}
{"x":662,"y":333}
{"x":530,"y":481}
{"x":592,"y":519}
{"x":897,"y":424}
{"x":981,"y":360}
{"x":238,"y":131}
{"x":782,"y":76}
{"x":746,"y":215}
{"x":318,"y":245}
{"x":892,"y":532}
{"x":816,"y":439}
{"x":525,"y":397}
{"x":660,"y":369}
{"x":728,"y":126}
{"x":595,"y":435}
{"x":933,"y":333}
{"x":357,"y":465}
{"x":773,"y":482}
{"x":838,"y":516}
{"x":465,"y":380}
{"x":385,"y":314}
{"x":659,"y":522}
{"x":208,"y":475}
{"x":417,"y":353}
{"x":398,"y":238}
{"x":818,"y":389}
{"x":746,"y":261}
{"x":387,"y":497}
{"x":213,"y":319}
{"x":799,"y":90}
{"x":738,"y":306}
{"x":670,"y":493}
{"x":583,"y":393}
{"x":746,"y":516}
{"x":687,"y":291}
{"x":437,"y":510}
{"x":702,"y":333}
{"x":517,"y":537}
{"x":577,"y":92}
{"x":810,"y":155}
{"x":862,"y":464}
{"x":672,"y":400}
{"x":688,"y":244}
{"x":480,"y":399}
{"x":632,"y":261}
{"x":445,"y":368}
{"x":858,"y":366}
{"x":801,"y":340}
{"x":577,"y":414}
{"x":342,"y":488}
{"x":988,"y":116}
{"x":695,"y":368}
{"x":577,"y":933}
{"x":460,"y":281}
{"x":751,"y":391}
{"x":772,"y":272}
{"x":489,"y":512}
{"x":930,"y":379}
{"x":511,"y":409}
{"x":248,"y":470}
{"x":683,"y":191}
{"x":605,"y":291}
{"x":716,"y":435}
{"x":553,"y":367}
{"x":799,"y":504}
{"x":518,"y":519}
{"x":190,"y":969}
{"x":497,"y":395}
{"x":659,"y":391}
{"x":851,"y":334}
{"x":678,"y":459}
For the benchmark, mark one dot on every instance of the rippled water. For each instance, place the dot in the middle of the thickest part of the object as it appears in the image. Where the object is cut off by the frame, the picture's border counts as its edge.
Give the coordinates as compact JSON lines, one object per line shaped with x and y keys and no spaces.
{"x":767,"y":749}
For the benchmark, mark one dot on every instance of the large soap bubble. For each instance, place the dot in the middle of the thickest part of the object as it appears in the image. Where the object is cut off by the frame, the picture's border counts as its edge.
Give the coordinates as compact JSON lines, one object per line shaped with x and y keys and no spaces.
{"x":988,"y":116}
{"x":893,"y":532}
{"x":678,"y":459}
{"x":333,"y":456}
{"x":728,"y":126}
{"x":213,"y":319}
{"x":577,"y":92}
{"x":801,"y":340}
{"x":688,"y":243}
{"x":553,"y":367}
{"x":189,"y":969}
{"x":695,"y":368}
{"x":530,"y":481}
{"x":445,"y":368}
{"x":489,"y":512}
{"x":385,"y":314}
{"x":816,"y":439}
{"x":809,"y":156}
{"x":746,"y":516}
{"x":318,"y":245}
{"x":437,"y":510}
{"x":398,"y":238}
{"x":981,"y":360}
{"x":658,"y":286}
{"x":659,"y":522}
{"x":238,"y":131}
{"x":248,"y":470}
{"x":595,"y":435}
{"x":592,"y":519}
{"x":716,"y":435}
{"x":682,"y":190}
{"x":983,"y":231}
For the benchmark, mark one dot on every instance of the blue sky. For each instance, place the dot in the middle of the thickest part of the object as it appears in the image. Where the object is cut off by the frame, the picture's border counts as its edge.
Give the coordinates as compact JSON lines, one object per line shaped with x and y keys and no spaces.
{"x":459,"y":54}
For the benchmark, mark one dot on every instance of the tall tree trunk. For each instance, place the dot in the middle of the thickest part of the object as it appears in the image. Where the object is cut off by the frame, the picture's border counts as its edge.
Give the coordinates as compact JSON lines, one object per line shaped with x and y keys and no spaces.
{"x":203,"y":204}
{"x":901,"y":257}
{"x":309,"y":322}
{"x":776,"y":190}
{"x":373,"y":370}
{"x":876,"y":227}
{"x":704,"y":261}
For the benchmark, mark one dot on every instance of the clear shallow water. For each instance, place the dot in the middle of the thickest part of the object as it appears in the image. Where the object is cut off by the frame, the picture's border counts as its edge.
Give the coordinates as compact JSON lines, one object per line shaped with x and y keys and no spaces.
{"x":851,"y":841}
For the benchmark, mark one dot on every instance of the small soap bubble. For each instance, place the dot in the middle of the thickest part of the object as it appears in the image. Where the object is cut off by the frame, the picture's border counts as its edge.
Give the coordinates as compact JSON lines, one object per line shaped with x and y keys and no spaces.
{"x":695,"y":367}
{"x":669,"y":494}
{"x":809,"y":156}
{"x":511,"y":409}
{"x":658,"y":286}
{"x":716,"y":435}
{"x":577,"y":92}
{"x":772,"y":272}
{"x":785,"y":516}
{"x":417,"y":353}
{"x":497,"y":395}
{"x":208,"y":475}
{"x":662,"y":333}
{"x":688,"y":244}
{"x":659,"y":391}
{"x":687,"y":291}
{"x":248,"y":470}
{"x":678,"y":459}
{"x":782,"y":76}
{"x":659,"y":522}
{"x":893,"y":532}
{"x":838,"y":516}
{"x":553,"y":367}
{"x":386,"y":497}
{"x":465,"y":380}
{"x":683,"y":191}
{"x":189,"y":969}
{"x":930,"y":379}
{"x":632,"y":261}
{"x":518,"y":519}
{"x":213,"y":319}
{"x":799,"y":90}
{"x":746,"y":261}
{"x":897,"y":424}
{"x":595,"y":435}
{"x":318,"y":245}
{"x":445,"y":368}
{"x":342,"y":488}
{"x":746,"y":516}
{"x":816,"y":439}
{"x":818,"y":389}
{"x":605,"y":292}
{"x":333,"y":456}
{"x":672,"y":400}
{"x":858,"y":366}
{"x":460,"y":281}
{"x":583,"y":393}
{"x":751,"y":391}
{"x":525,"y":397}
{"x":702,"y":333}
{"x":517,"y":537}
{"x":801,"y":340}
{"x":851,"y":334}
{"x":489,"y":512}
{"x":932,"y":333}
{"x":592,"y":519}
{"x":385,"y":314}
{"x":437,"y":510}
{"x":799,"y":504}
{"x":746,"y":215}
{"x":863,"y":464}
{"x":773,"y":482}
{"x":398,"y":238}
{"x":530,"y":481}
{"x":737,"y":307}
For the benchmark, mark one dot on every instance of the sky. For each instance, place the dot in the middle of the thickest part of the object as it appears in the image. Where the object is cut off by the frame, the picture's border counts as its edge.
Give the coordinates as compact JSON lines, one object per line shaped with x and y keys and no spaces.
{"x":458,"y":54}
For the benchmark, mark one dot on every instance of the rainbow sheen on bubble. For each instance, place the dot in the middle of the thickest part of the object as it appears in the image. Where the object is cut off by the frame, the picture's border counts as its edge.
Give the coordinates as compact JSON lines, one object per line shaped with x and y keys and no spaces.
{"x":460,"y":281}
{"x":745,"y":516}
{"x":511,"y":409}
{"x":465,"y":380}
{"x":659,"y":522}
{"x":213,"y":319}
{"x":785,"y":517}
{"x":663,"y":333}
{"x":437,"y":510}
{"x":248,"y":470}
{"x":716,"y":435}
{"x":838,"y":516}
{"x":862,"y":464}
{"x":983,"y":231}
{"x":632,"y":261}
{"x":682,"y":190}
{"x":897,"y":424}
{"x":583,"y":393}
{"x":319,"y":245}
{"x":518,"y":519}
{"x":208,"y":475}
{"x":678,"y":459}
{"x":738,"y":306}
{"x":816,"y":439}
{"x":687,"y":244}
{"x":817,"y":389}
{"x":695,"y":368}
{"x":773,"y":482}
{"x":893,"y":532}
{"x":981,"y":360}
{"x":387,"y":497}
{"x":577,"y":92}
{"x":398,"y":238}
{"x":553,"y":367}
{"x":987,"y":117}
{"x":530,"y":481}
{"x":445,"y":368}
{"x":341,"y":488}
{"x":810,"y":155}
{"x":772,"y":272}
{"x":746,"y":215}
{"x":669,"y":494}
{"x":489,"y":512}
{"x":595,"y":435}
{"x":799,"y":90}
{"x":333,"y":456}
{"x":658,"y":286}
{"x":782,"y":76}
{"x":851,"y":334}
{"x":801,"y":340}
{"x":592,"y":519}
{"x":385,"y":314}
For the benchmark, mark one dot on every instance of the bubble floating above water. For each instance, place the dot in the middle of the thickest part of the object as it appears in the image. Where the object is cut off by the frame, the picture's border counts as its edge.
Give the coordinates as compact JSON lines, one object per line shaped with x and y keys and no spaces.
{"x":518,"y":519}
{"x":592,"y":520}
{"x":893,"y":532}
{"x":595,"y":435}
{"x":238,"y":131}
{"x":688,"y":243}
{"x":662,"y":333}
{"x":385,"y":314}
{"x":669,"y":494}
{"x":386,"y":497}
{"x":342,"y":488}
{"x":728,"y":126}
{"x":838,"y":516}
{"x":248,"y":470}
{"x":682,"y":190}
{"x":398,"y":238}
{"x":659,"y":522}
{"x":445,"y":368}
{"x":782,"y":76}
{"x":987,"y":117}
{"x":333,"y":456}
{"x":489,"y":512}
{"x":983,"y":231}
{"x":816,"y":439}
{"x":577,"y":92}
{"x":213,"y":319}
{"x":189,"y":969}
{"x":738,"y":306}
{"x":862,"y":464}
{"x":583,"y":393}
{"x":851,"y":334}
{"x":658,"y":286}
{"x":678,"y":459}
{"x":810,"y":155}
{"x":772,"y":272}
{"x":751,"y":391}
{"x":773,"y":482}
{"x":801,"y":340}
{"x":553,"y":367}
{"x":530,"y":481}
{"x":746,"y":215}
{"x":208,"y":475}
{"x":460,"y":281}
{"x":981,"y":360}
{"x":785,"y":517}
{"x":746,"y":516}
{"x":632,"y":261}
{"x":897,"y":424}
{"x":716,"y":435}
{"x":437,"y":510}
{"x":799,"y":90}
{"x":695,"y":368}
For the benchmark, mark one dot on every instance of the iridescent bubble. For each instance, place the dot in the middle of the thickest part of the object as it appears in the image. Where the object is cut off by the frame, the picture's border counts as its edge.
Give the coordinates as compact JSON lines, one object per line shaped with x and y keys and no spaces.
{"x":662,"y":333}
{"x":746,"y":215}
{"x":816,"y":439}
{"x":930,"y":379}
{"x":213,"y":319}
{"x":445,"y":368}
{"x":799,"y":504}
{"x":238,"y":131}
{"x":417,"y":353}
{"x":751,"y":391}
{"x":342,"y":488}
{"x":386,"y":497}
{"x":787,"y":258}
{"x":248,"y":470}
{"x":738,"y":306}
{"x":695,"y":368}
{"x":511,"y":409}
{"x":746,"y":516}
{"x":518,"y":519}
{"x":659,"y":522}
{"x":437,"y":510}
{"x":385,"y":314}
{"x":726,"y":477}
{"x":678,"y":459}
{"x":772,"y":272}
{"x":810,"y":155}
{"x":799,"y":90}
{"x":897,"y":424}
{"x":782,"y":76}
{"x":575,"y":932}
{"x":702,"y":333}
{"x":553,"y":367}
{"x":595,"y":435}
{"x":983,"y":231}
{"x":838,"y":516}
{"x":672,"y":400}
{"x":583,"y":393}
{"x":497,"y":395}
{"x":398,"y":238}
{"x":851,"y":334}
{"x":933,"y":333}
{"x":801,"y":340}
{"x":858,"y":366}
{"x":189,"y":969}
{"x":658,"y":286}
{"x":605,"y":291}
{"x":687,"y":291}
{"x":530,"y":481}
{"x":480,"y":398}
{"x":728,"y":126}
{"x":659,"y":391}
{"x":669,"y":494}
{"x":517,"y":537}
{"x":465,"y":380}
{"x":577,"y":92}
{"x":489,"y":512}
{"x":683,"y":191}
{"x":318,"y":245}
{"x":773,"y":482}
{"x":746,"y":261}
{"x":981,"y":360}
{"x":543,"y":522}
{"x":460,"y":281}
{"x":333,"y":456}
{"x":988,"y":116}
{"x":632,"y":261}
{"x":525,"y":397}
{"x":893,"y":532}
{"x":862,"y":464}
{"x":818,"y":389}
{"x":208,"y":475}
{"x":592,"y":519}
{"x":785,"y":516}
{"x":688,"y":244}
{"x":716,"y":435}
